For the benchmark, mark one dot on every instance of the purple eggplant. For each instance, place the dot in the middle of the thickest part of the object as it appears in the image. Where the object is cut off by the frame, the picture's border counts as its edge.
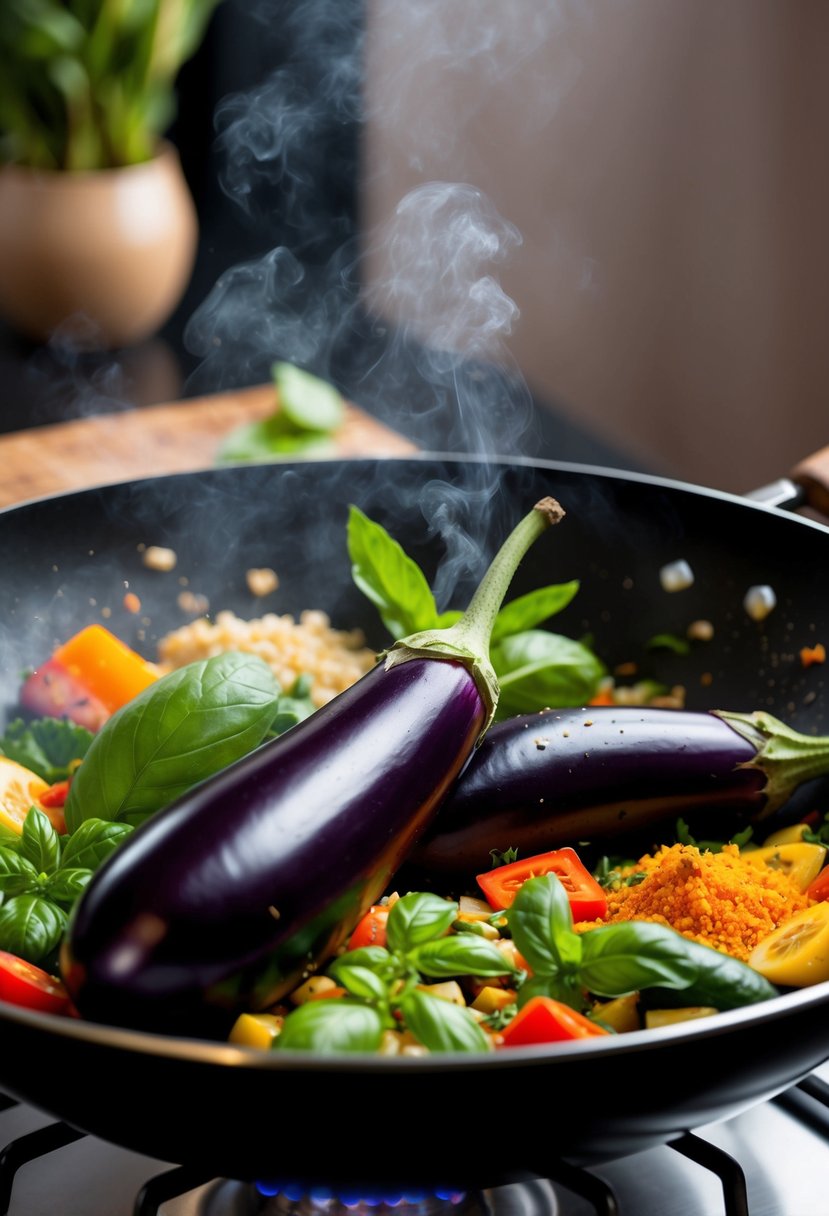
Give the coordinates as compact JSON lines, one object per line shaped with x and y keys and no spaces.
{"x":563,"y":776}
{"x":225,"y":899}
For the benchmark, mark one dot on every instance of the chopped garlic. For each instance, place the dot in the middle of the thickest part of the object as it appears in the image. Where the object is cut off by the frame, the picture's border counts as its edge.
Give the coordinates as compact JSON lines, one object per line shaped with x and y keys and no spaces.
{"x":676,"y":576}
{"x":759,"y":601}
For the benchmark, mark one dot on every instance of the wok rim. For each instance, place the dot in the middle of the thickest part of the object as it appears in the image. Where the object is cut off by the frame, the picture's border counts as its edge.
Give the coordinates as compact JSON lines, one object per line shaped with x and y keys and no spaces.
{"x":496,"y":461}
{"x":202,"y":1052}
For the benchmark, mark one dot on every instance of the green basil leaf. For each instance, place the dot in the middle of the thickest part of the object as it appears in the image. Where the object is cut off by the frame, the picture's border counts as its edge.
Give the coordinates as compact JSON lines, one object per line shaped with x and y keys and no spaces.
{"x":307,"y":401}
{"x":187,"y":725}
{"x":538,"y":670}
{"x":39,"y":842}
{"x":360,"y":981}
{"x":541,"y":924}
{"x":67,"y":885}
{"x":440,"y":1025}
{"x":450,"y":617}
{"x":637,"y":955}
{"x":294,"y":706}
{"x":31,"y":927}
{"x":388,"y":577}
{"x":533,"y":609}
{"x":272,"y":438}
{"x":417,"y":918}
{"x":48,"y":746}
{"x":17,"y":874}
{"x":376,"y":958}
{"x":669,"y":641}
{"x":561,"y":987}
{"x":94,"y":840}
{"x":632,"y":955}
{"x":461,"y":954}
{"x":331,"y":1026}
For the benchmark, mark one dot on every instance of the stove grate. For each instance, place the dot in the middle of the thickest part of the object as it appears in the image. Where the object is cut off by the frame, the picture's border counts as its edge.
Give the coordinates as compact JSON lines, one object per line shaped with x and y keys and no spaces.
{"x":808,"y":1101}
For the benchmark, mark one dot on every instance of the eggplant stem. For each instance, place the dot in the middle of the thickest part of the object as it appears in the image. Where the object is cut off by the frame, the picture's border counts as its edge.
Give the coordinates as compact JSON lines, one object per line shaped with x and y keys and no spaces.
{"x":467,"y":641}
{"x":785,"y":756}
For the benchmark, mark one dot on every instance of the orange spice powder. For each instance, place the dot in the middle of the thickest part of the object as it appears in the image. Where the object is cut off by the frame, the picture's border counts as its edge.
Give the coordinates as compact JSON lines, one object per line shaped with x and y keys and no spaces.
{"x":718,"y":899}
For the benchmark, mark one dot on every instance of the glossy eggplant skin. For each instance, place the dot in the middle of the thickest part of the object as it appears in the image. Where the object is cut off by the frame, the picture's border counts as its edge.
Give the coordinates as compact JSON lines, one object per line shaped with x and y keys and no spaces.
{"x":565,"y":776}
{"x":223,"y":900}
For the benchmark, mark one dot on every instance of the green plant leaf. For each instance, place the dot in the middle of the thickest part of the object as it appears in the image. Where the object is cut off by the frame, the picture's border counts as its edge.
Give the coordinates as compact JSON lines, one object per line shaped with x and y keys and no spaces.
{"x":330,"y":1027}
{"x":309,"y":403}
{"x":441,"y":1026}
{"x":31,"y":927}
{"x":49,"y":747}
{"x":67,"y":885}
{"x":17,"y":875}
{"x":39,"y":842}
{"x":541,"y":924}
{"x":178,"y":731}
{"x":418,"y":918}
{"x":532,"y":609}
{"x":360,"y":981}
{"x":92,"y":842}
{"x":461,"y":954}
{"x":388,"y":577}
{"x":539,"y":670}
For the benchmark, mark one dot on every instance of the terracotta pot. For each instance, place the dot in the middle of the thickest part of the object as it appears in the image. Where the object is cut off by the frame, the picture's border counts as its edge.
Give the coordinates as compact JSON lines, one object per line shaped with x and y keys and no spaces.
{"x":98,"y":259}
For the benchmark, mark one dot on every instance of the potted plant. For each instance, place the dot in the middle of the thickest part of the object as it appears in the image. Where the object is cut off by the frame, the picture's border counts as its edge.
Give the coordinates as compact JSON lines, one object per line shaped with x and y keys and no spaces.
{"x":97,"y":226}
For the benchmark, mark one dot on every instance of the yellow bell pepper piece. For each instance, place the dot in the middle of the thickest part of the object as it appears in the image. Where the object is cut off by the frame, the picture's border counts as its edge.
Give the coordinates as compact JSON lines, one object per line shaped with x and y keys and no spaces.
{"x":670,"y":1017}
{"x":802,"y":862}
{"x":796,"y":953}
{"x":255,"y":1030}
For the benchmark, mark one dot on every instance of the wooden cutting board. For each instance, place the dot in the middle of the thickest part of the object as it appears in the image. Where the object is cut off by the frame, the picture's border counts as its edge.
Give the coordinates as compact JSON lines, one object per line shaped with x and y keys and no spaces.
{"x":174,"y":438}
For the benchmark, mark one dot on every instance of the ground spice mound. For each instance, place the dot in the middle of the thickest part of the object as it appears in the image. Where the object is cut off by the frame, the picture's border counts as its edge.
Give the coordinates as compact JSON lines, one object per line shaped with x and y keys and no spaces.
{"x":718,"y":899}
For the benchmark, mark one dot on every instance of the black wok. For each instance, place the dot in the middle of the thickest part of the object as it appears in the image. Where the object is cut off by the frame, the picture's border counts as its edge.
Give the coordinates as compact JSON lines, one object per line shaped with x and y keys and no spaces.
{"x":244,"y":1114}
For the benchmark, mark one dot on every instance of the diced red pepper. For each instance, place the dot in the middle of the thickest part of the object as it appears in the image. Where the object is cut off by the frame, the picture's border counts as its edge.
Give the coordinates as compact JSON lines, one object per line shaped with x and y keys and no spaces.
{"x":53,"y":692}
{"x":818,"y":888}
{"x":371,"y":930}
{"x":543,"y":1020}
{"x":587,"y":899}
{"x":23,"y":983}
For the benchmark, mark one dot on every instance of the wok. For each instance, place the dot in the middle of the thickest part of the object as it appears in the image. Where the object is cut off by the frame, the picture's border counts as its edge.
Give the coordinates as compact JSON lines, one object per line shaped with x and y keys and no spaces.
{"x":246,"y":1115}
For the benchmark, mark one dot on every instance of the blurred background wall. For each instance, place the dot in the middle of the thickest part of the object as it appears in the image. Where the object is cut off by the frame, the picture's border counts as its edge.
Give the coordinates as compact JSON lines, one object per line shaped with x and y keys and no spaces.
{"x":666,"y":164}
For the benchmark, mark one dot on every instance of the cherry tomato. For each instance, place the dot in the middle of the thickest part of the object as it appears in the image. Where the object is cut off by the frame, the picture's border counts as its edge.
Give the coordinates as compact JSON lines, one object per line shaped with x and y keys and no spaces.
{"x":23,"y":983}
{"x":371,"y":930}
{"x":543,"y":1020}
{"x":587,"y":899}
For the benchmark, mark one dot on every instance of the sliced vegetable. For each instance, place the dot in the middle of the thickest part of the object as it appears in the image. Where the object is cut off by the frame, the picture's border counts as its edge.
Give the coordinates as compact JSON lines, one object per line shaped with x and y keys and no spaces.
{"x":818,"y":889}
{"x":371,"y":929}
{"x":106,"y":666}
{"x":52,"y":691}
{"x":800,"y":861}
{"x":796,"y":954}
{"x":229,"y":894}
{"x":548,"y":779}
{"x":21,"y":789}
{"x":654,"y":1018}
{"x":543,"y":1020}
{"x":22,"y":983}
{"x":587,"y":899}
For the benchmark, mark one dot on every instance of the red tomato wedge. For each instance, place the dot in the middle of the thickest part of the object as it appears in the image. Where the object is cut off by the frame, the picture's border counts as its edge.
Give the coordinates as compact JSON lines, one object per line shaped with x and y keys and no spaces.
{"x":543,"y":1020}
{"x":587,"y":899}
{"x":23,"y":983}
{"x":818,"y":888}
{"x":371,"y":930}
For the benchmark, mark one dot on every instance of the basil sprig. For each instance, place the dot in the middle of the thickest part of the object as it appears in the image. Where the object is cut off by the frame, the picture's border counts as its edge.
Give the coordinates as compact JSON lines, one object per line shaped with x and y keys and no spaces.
{"x":42,"y":875}
{"x":614,"y":960}
{"x":536,"y":669}
{"x":383,"y":986}
{"x":181,"y":729}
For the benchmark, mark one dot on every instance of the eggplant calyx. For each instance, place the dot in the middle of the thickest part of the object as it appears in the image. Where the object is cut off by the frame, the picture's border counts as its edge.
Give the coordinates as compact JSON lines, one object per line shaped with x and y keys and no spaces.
{"x":784,"y":755}
{"x":467,"y":641}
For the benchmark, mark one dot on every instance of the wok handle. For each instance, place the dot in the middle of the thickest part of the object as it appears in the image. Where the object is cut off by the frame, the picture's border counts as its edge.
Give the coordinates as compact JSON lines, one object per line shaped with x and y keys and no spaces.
{"x":807,"y":485}
{"x":812,"y":475}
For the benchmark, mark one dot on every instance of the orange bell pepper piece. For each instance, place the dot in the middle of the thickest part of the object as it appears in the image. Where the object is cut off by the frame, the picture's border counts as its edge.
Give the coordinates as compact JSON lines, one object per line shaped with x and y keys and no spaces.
{"x":112,"y":672}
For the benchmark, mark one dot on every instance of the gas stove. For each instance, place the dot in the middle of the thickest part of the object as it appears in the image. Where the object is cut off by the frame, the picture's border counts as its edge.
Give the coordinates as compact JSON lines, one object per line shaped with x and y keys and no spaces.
{"x":768,"y":1161}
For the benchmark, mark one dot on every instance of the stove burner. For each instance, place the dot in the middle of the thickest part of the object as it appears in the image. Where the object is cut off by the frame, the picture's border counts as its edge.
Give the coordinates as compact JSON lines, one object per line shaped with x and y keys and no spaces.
{"x":535,"y":1197}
